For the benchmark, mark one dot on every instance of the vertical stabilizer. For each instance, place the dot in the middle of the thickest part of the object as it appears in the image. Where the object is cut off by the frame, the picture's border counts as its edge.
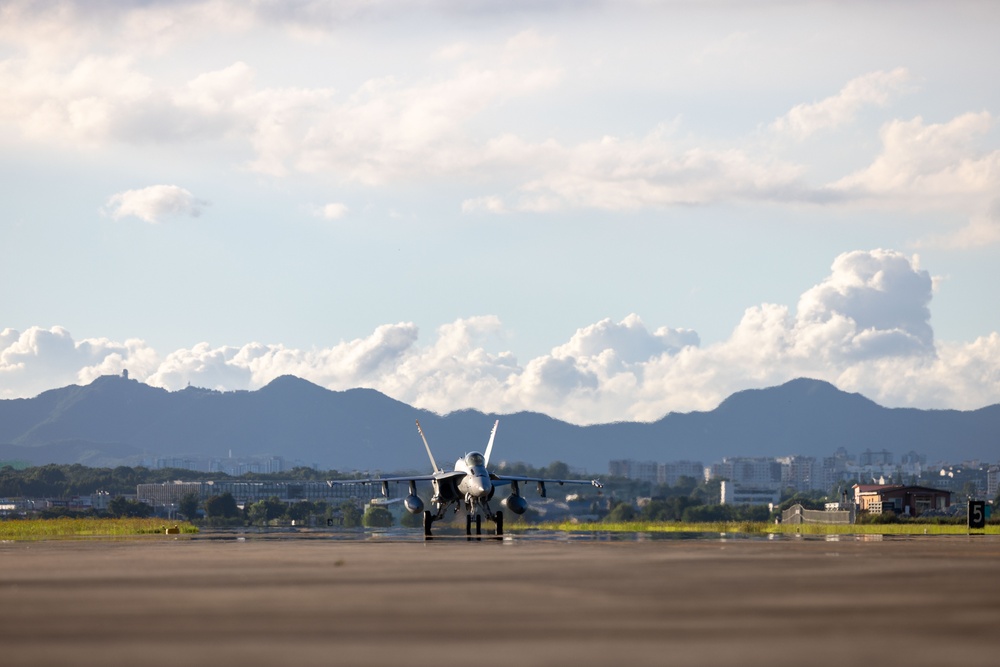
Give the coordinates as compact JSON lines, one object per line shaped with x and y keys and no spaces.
{"x":489,"y":447}
{"x":428,"y":447}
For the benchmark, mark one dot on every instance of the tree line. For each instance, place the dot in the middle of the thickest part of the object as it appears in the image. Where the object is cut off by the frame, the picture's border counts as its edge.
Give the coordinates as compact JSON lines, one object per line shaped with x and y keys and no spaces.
{"x":689,"y":500}
{"x":62,"y":481}
{"x":222,"y":510}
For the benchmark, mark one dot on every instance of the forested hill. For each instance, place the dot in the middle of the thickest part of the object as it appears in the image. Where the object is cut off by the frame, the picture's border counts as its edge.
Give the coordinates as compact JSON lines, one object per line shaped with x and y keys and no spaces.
{"x":116,"y":421}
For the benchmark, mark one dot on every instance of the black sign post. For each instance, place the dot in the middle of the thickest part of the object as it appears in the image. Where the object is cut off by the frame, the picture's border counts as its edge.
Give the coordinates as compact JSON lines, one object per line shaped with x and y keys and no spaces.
{"x":977,"y":514}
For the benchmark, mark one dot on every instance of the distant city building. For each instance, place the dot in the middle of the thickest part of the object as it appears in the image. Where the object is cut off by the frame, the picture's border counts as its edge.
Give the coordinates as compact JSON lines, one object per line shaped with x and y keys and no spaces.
{"x":750,"y":473}
{"x":899,"y":499}
{"x":230,"y":466}
{"x":801,"y":473}
{"x":670,"y":473}
{"x":869,"y":458}
{"x":174,"y":462}
{"x":911,"y":458}
{"x":971,"y":479}
{"x":657,"y":473}
{"x":732,"y":494}
{"x":618,"y":468}
{"x":808,"y":473}
{"x":833,"y":470}
{"x":643,"y":471}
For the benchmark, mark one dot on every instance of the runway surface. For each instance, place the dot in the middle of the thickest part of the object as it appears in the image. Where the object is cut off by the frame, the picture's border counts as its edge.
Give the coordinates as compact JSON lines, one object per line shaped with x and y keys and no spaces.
{"x":520,"y":601}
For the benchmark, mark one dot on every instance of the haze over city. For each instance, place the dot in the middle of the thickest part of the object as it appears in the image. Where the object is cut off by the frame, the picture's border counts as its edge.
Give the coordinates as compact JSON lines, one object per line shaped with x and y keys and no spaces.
{"x":600,"y":211}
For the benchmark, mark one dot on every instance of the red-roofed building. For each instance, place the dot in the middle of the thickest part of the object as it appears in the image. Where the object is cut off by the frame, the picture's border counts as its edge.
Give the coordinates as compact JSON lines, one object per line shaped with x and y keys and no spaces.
{"x":902,"y":500}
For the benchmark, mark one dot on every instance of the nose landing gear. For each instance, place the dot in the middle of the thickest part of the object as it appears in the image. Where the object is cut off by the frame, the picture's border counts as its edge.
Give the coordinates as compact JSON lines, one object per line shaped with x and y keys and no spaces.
{"x":470,"y":518}
{"x":497,"y":520}
{"x":468,"y":524}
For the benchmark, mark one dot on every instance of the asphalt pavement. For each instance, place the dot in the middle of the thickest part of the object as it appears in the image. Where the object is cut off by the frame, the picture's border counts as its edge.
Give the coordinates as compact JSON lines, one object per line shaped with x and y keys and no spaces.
{"x":550,"y":600}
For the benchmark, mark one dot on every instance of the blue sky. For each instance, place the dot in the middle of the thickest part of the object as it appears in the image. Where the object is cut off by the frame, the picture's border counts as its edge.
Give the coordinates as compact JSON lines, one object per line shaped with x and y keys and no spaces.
{"x":599,"y":210}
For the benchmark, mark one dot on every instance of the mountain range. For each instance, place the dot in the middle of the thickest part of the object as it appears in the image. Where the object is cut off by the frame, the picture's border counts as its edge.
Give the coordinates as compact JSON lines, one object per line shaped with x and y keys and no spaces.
{"x":117,"y":421}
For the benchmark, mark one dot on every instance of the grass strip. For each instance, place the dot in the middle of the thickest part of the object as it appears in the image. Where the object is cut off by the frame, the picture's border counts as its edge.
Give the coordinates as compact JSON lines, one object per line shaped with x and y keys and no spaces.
{"x":762,"y":528}
{"x":37,"y":529}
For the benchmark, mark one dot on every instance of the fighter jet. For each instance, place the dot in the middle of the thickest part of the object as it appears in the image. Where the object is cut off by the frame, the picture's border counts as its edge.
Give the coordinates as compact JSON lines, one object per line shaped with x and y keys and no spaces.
{"x":470,"y":482}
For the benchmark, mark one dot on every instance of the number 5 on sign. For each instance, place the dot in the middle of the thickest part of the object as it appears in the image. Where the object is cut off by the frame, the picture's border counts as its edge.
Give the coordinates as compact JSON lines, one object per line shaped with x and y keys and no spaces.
{"x":977,"y":514}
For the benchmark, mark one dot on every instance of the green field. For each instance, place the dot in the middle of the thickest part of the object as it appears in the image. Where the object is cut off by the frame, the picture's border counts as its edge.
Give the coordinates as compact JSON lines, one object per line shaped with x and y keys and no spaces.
{"x":761,"y":528}
{"x":35,"y":529}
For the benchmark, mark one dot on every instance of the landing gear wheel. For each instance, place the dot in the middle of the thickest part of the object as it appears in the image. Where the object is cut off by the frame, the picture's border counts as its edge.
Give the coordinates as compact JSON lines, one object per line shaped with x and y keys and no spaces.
{"x":498,"y":518}
{"x":479,"y":525}
{"x":428,"y":520}
{"x":468,"y":524}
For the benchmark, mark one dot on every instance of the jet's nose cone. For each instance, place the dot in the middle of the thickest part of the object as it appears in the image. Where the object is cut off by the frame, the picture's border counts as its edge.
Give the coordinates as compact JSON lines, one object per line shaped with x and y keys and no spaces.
{"x":479,"y":485}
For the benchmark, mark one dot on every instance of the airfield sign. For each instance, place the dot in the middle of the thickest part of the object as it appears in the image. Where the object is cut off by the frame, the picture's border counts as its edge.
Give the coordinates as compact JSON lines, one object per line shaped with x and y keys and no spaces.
{"x":977,"y":514}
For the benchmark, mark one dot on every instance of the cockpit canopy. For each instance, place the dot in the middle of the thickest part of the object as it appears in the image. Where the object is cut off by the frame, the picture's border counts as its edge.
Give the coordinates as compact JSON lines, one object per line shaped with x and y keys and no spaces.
{"x":474,"y":459}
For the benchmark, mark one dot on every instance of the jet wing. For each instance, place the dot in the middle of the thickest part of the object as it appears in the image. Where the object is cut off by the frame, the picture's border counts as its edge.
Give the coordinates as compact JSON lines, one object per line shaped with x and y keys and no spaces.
{"x":500,"y":480}
{"x":407,"y":478}
{"x":379,"y":480}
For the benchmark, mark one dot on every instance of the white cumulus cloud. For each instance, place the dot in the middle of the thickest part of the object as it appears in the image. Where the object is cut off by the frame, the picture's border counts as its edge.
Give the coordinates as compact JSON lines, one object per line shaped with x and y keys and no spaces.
{"x":333,"y":211}
{"x":930,"y":162}
{"x":935,"y":166}
{"x":629,"y":339}
{"x":875,"y":88}
{"x":98,"y":77}
{"x":628,"y":174}
{"x":881,"y":297}
{"x":154,"y":204}
{"x":865,"y":328}
{"x":38,"y":359}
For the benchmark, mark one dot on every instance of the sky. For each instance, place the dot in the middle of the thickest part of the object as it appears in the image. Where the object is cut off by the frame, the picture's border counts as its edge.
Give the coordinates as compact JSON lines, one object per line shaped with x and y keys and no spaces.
{"x":601,"y":211}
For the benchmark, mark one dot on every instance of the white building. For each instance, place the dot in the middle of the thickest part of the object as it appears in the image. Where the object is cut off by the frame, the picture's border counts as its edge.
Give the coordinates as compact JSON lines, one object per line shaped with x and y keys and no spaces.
{"x":992,"y":481}
{"x":732,"y":494}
